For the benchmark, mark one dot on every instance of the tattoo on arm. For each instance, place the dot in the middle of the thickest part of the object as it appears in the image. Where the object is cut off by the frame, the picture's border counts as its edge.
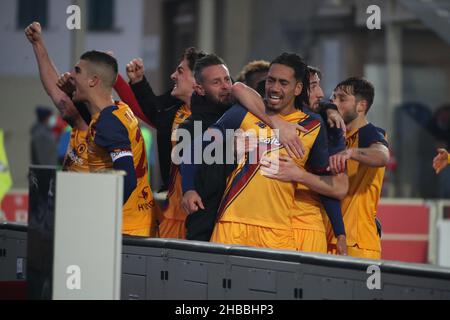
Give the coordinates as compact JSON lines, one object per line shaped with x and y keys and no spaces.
{"x":361,"y":153}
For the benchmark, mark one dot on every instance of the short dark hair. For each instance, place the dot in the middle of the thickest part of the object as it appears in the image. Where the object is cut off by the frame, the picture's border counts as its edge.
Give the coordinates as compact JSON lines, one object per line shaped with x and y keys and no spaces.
{"x":360,"y":88}
{"x":206,"y":61}
{"x":313,"y":70}
{"x":299,"y":66}
{"x":251,"y":68}
{"x":192,"y":54}
{"x":105,"y":60}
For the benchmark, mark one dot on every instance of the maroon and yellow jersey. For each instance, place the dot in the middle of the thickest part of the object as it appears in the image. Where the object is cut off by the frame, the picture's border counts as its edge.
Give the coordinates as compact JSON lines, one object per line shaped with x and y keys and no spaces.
{"x":76,"y":158}
{"x":115,"y":132}
{"x":175,"y":192}
{"x":359,"y":207}
{"x":254,"y":199}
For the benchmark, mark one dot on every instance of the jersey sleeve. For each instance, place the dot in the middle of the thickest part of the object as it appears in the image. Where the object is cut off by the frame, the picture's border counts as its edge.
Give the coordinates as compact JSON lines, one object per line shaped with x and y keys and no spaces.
{"x":336,"y":141}
{"x":370,"y":134}
{"x":112,"y":134}
{"x":318,"y":158}
{"x":334,"y":212}
{"x":231,"y":119}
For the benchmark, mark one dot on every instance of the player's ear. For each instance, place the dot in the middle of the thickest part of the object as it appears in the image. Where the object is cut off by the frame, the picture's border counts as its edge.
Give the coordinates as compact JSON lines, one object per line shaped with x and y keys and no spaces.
{"x":361,"y":106}
{"x":199,"y":89}
{"x":94,"y":81}
{"x":298,"y":88}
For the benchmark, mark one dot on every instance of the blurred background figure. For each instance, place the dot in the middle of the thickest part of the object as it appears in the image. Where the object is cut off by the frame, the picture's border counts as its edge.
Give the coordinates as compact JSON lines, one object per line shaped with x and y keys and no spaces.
{"x":5,"y":175}
{"x":43,"y":141}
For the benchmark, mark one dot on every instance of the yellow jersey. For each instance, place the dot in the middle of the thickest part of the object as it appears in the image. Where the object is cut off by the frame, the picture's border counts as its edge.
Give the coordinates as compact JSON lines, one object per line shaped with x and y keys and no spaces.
{"x":175,"y":192}
{"x":112,"y":132}
{"x":359,"y":207}
{"x":253,"y":199}
{"x":76,"y":158}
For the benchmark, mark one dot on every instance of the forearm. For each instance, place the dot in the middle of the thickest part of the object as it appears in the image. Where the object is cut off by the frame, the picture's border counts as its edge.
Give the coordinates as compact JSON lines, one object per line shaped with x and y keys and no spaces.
{"x":373,"y":157}
{"x":146,"y":98}
{"x":331,"y":186}
{"x":253,"y":102}
{"x":47,"y":72}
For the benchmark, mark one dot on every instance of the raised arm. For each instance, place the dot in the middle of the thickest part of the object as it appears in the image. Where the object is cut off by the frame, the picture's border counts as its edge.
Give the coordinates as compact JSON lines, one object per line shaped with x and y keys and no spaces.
{"x":159,"y":110}
{"x":47,"y":71}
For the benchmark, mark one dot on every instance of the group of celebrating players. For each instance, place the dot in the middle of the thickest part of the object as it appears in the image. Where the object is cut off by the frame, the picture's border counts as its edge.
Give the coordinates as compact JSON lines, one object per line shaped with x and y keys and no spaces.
{"x":305,"y":173}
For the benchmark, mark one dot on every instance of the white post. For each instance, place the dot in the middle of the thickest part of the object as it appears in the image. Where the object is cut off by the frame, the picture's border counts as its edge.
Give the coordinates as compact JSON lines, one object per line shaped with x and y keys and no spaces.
{"x":88,"y":236}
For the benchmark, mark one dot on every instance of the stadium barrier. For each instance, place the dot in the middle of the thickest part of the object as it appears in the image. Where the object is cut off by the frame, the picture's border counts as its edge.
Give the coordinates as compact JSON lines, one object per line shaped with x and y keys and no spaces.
{"x":156,"y":269}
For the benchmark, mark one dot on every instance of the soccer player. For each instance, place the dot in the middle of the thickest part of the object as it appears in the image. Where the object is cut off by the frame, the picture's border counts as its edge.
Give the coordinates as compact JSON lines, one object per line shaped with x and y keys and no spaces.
{"x":173,"y":224}
{"x":441,"y":160}
{"x":268,"y":221}
{"x":115,"y":140}
{"x":76,"y":156}
{"x":212,"y":98}
{"x":161,"y":111}
{"x":334,"y":186}
{"x":365,"y":157}
{"x":253,"y":73}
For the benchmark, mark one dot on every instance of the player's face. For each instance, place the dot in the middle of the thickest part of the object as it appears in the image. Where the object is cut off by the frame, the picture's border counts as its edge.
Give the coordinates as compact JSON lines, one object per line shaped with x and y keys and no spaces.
{"x":282,"y":89}
{"x":217,"y":84}
{"x":346,"y":104}
{"x":315,"y":92}
{"x":183,"y":81}
{"x":80,"y":79}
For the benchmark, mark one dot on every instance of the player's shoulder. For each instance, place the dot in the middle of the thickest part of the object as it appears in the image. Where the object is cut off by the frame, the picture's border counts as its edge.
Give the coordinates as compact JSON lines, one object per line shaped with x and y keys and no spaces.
{"x":371,"y":131}
{"x":370,"y":134}
{"x":233,"y":117}
{"x":237,"y":108}
{"x":310,"y":120}
{"x":107,"y":117}
{"x":370,"y":128}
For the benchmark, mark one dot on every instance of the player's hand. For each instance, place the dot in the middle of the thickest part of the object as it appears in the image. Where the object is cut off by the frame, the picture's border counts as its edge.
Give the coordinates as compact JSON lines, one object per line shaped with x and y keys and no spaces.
{"x":289,"y":136}
{"x":338,"y":162}
{"x":66,"y":84}
{"x":244,"y":142}
{"x":334,"y":119}
{"x":192,"y":202}
{"x":34,"y":32}
{"x":440,"y":161}
{"x":341,"y":245}
{"x":281,"y":168}
{"x":135,"y":70}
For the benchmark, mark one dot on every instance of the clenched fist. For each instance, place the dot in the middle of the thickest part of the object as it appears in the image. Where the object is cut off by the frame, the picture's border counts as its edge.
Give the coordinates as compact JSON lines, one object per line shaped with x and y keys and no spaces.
{"x":65,"y":83}
{"x":135,"y":70}
{"x":34,"y":32}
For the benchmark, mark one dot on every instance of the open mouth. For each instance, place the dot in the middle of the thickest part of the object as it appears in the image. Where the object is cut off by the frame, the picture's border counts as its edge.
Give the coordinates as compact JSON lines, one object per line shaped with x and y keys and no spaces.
{"x":274,"y":99}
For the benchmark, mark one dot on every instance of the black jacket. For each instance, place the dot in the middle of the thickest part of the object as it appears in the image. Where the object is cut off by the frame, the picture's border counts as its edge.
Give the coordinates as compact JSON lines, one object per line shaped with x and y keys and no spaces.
{"x":210,"y":180}
{"x":160,"y":110}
